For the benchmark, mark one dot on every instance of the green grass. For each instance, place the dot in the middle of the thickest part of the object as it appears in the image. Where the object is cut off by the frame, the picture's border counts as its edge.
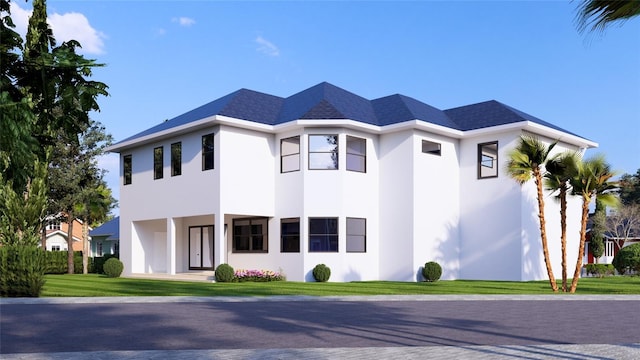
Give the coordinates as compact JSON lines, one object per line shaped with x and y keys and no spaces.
{"x":99,"y":285}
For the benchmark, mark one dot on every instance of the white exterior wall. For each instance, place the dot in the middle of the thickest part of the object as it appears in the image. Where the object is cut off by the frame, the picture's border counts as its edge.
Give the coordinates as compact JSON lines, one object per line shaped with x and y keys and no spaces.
{"x":436,"y":206}
{"x":57,"y":240}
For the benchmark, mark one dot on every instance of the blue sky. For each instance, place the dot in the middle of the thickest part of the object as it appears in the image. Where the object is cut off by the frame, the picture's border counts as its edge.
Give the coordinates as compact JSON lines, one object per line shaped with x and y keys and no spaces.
{"x":164,"y":58}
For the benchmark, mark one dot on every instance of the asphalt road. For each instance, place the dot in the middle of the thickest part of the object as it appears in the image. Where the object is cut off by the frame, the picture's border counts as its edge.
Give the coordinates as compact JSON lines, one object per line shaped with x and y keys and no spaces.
{"x":46,"y":328}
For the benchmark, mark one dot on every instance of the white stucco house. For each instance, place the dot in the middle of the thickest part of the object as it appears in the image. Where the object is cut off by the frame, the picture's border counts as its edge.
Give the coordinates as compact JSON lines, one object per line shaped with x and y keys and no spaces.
{"x":371,"y":188}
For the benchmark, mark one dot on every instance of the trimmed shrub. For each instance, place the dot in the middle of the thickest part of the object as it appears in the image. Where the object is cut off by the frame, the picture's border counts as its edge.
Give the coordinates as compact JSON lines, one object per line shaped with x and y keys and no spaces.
{"x":224,"y":273}
{"x":627,"y":259}
{"x":21,"y":270}
{"x":321,"y":273}
{"x":55,"y":262}
{"x":98,"y":262}
{"x":432,"y":271}
{"x":113,"y":267}
{"x":600,"y":270}
{"x":242,"y":275}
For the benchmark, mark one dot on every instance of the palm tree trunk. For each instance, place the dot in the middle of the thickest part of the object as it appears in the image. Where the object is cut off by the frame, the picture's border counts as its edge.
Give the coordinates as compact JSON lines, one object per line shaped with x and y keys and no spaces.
{"x":563,"y":235}
{"x":70,"y":244}
{"x":85,"y":243}
{"x":583,"y":237}
{"x":543,"y":231}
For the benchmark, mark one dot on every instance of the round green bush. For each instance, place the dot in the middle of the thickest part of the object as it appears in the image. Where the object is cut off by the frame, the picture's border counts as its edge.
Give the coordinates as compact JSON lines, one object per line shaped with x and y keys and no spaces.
{"x":321,"y":273}
{"x":628,"y":258}
{"x":432,"y":271}
{"x":113,"y":267}
{"x":224,"y":273}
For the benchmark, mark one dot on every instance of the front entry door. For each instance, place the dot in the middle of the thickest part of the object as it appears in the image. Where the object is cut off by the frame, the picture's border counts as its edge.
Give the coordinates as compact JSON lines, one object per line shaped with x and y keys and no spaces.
{"x":201,"y":247}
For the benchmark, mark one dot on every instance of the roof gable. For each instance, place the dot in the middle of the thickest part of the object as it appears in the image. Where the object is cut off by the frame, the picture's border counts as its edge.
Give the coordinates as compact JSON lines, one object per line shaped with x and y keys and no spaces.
{"x":110,"y":229}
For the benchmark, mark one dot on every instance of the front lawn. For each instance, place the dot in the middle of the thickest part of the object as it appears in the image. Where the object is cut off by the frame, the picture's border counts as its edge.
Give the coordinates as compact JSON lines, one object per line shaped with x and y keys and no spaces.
{"x":98,"y":285}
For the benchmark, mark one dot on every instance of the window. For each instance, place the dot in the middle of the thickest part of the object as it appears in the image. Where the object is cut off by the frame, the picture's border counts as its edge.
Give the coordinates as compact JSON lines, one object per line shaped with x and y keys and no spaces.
{"x":250,"y":235}
{"x":99,"y":249}
{"x":290,"y":154}
{"x":429,"y":147}
{"x":356,"y":235}
{"x":53,"y":225}
{"x":176,"y":159}
{"x":116,"y":248}
{"x":207,"y":152}
{"x":356,"y":154}
{"x":323,"y":152}
{"x":55,"y":247}
{"x":488,"y":160}
{"x":127,"y":169}
{"x":290,"y":235}
{"x":323,"y":234}
{"x":157,"y":162}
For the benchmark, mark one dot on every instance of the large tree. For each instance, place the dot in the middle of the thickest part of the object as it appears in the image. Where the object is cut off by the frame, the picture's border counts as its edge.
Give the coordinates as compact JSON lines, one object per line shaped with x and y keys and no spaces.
{"x":593,"y":181}
{"x":596,"y":15}
{"x":630,"y":188}
{"x":526,"y":161}
{"x":559,"y":170}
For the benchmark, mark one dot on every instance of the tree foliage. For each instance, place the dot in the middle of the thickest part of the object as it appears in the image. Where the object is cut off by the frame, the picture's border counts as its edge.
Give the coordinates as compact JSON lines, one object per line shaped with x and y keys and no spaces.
{"x":630,"y":188}
{"x":596,"y":15}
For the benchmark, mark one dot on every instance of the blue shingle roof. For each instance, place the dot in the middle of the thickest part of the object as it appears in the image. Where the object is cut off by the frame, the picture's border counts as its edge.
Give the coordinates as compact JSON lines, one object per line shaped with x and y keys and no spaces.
{"x":111,"y":229}
{"x":327,"y":101}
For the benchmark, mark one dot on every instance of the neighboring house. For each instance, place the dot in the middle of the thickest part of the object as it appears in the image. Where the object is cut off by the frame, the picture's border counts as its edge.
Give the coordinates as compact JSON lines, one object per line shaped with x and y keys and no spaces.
{"x":56,"y":235}
{"x":105,"y":238}
{"x":371,"y":188}
{"x":612,"y":244}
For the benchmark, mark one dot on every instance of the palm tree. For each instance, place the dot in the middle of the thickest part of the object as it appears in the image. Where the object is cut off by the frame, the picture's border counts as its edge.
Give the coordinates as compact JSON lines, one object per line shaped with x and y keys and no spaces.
{"x":591,"y":181}
{"x":525,"y":162}
{"x":598,"y":14}
{"x":560,"y":169}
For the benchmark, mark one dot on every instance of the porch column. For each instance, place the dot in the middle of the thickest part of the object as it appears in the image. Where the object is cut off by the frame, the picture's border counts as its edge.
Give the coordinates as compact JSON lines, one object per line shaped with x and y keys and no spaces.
{"x":171,"y":246}
{"x":219,"y":241}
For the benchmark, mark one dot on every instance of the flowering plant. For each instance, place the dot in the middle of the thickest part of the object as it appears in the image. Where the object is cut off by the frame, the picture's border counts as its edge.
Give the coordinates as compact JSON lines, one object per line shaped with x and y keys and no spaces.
{"x":257,"y":275}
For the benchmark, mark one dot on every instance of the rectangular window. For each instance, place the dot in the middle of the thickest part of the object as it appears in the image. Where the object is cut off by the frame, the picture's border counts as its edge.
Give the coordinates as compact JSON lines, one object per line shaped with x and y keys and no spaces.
{"x":430,"y":147}
{"x":356,"y":235}
{"x":127,"y":169}
{"x":488,"y":160}
{"x":290,"y":154}
{"x":356,"y":154}
{"x":290,"y":235}
{"x":250,"y":235}
{"x":53,"y":225}
{"x":323,"y":234}
{"x":207,"y":152}
{"x":323,"y":152}
{"x":158,"y":155}
{"x":176,"y":159}
{"x":55,"y":247}
{"x":99,"y":249}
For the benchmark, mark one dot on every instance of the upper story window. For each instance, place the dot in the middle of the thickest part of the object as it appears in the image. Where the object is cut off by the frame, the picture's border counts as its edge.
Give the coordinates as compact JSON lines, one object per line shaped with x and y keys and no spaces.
{"x":176,"y":159}
{"x":290,"y":154}
{"x":53,"y":225}
{"x":323,"y":234}
{"x":356,"y":235}
{"x":158,"y":154}
{"x":323,"y":152}
{"x":488,"y":160}
{"x":356,"y":154}
{"x":430,"y":147}
{"x":207,"y":152}
{"x":127,"y":169}
{"x":290,"y":235}
{"x":250,"y":235}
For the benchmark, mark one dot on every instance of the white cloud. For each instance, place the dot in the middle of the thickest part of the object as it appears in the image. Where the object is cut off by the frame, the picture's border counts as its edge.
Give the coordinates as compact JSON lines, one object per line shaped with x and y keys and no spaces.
{"x":68,"y":26}
{"x":267,"y":47}
{"x":183,"y":21}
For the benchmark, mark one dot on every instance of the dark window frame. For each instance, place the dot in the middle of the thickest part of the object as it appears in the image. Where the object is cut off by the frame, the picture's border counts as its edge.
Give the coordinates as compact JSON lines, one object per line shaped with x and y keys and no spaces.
{"x":328,"y":247}
{"x":289,"y":242}
{"x":208,"y":152}
{"x":158,"y":162}
{"x":334,"y":153}
{"x":352,"y":154}
{"x":364,"y":236}
{"x":431,"y":147}
{"x":176,"y":159}
{"x":127,"y":169}
{"x":483,"y":160}
{"x":264,"y":234}
{"x":283,"y":155}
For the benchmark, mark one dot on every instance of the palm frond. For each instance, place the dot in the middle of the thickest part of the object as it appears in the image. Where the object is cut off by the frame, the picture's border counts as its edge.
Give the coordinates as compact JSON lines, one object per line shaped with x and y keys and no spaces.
{"x":598,"y":14}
